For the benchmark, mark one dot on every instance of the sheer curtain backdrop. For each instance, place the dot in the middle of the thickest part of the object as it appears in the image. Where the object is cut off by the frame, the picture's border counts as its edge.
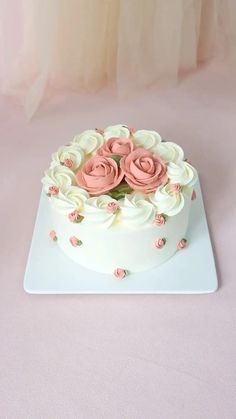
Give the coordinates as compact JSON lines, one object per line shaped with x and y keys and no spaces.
{"x":85,"y":44}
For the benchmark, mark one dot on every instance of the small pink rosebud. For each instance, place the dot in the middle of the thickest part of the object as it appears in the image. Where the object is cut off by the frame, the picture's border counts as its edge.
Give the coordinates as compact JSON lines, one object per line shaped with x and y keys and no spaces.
{"x":75,"y":242}
{"x":120,"y":273}
{"x":53,"y":235}
{"x":112,"y":207}
{"x":159,"y":220}
{"x":175,"y":187}
{"x":159,"y":243}
{"x":131,"y":130}
{"x":75,"y":217}
{"x":68,"y":163}
{"x":182,"y":244}
{"x":53,"y":190}
{"x":100,"y":130}
{"x":194,"y":195}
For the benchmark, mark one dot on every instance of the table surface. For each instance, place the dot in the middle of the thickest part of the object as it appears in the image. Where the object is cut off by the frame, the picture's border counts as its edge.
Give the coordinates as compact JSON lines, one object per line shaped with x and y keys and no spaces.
{"x":114,"y":356}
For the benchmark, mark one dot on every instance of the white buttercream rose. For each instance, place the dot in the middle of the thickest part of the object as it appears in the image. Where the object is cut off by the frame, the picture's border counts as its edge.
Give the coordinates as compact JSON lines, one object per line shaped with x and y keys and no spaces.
{"x":102,"y":211}
{"x":136,"y":211}
{"x":167,"y":201}
{"x":58,"y":177}
{"x":89,"y":140}
{"x":170,"y":152}
{"x":116,"y":131}
{"x":182,"y":173}
{"x":147,"y":139}
{"x":71,"y":156}
{"x":70,"y":200}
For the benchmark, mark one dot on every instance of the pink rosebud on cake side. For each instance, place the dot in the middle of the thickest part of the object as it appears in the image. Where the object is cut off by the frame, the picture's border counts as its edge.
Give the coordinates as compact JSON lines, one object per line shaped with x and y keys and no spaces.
{"x":112,"y":207}
{"x":143,"y":170}
{"x":53,"y":235}
{"x":159,"y":220}
{"x":75,"y":242}
{"x":194,"y":195}
{"x":160,"y":243}
{"x":99,"y":175}
{"x":75,"y":217}
{"x":53,"y":190}
{"x":182,"y":244}
{"x":120,"y":273}
{"x":116,"y":147}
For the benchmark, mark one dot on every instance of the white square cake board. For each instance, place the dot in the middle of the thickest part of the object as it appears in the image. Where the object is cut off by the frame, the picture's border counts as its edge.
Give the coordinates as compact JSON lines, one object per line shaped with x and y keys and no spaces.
{"x":190,"y":271}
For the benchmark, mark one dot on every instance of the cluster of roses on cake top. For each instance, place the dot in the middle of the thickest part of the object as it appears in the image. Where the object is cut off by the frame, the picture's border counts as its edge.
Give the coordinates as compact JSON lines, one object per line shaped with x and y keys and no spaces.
{"x":119,"y":176}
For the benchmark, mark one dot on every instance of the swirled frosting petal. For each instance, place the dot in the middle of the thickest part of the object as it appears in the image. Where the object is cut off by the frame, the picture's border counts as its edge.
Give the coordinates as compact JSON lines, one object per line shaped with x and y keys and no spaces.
{"x":118,"y":131}
{"x":72,"y":153}
{"x":70,"y":200}
{"x":59,"y":176}
{"x":136,"y":211}
{"x":96,"y":211}
{"x":170,"y":151}
{"x":147,"y":139}
{"x":166,"y":201}
{"x":89,"y":140}
{"x":182,"y":173}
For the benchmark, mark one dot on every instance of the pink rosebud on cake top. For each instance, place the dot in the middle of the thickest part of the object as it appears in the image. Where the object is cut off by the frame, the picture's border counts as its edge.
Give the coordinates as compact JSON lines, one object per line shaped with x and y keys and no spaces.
{"x":182,"y":244}
{"x":53,"y":190}
{"x":112,"y":207}
{"x":99,"y":175}
{"x":159,"y":243}
{"x":159,"y":220}
{"x":68,"y":163}
{"x":53,"y":235}
{"x":175,"y":187}
{"x":120,"y":273}
{"x":143,"y":170}
{"x":116,"y":147}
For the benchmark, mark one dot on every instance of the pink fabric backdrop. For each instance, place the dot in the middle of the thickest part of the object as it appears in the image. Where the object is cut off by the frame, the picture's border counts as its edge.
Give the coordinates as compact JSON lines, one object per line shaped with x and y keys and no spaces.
{"x":129,"y":357}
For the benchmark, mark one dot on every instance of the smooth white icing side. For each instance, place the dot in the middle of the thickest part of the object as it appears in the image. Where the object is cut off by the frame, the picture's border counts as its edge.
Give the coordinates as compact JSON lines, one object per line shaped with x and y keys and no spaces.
{"x":127,"y":248}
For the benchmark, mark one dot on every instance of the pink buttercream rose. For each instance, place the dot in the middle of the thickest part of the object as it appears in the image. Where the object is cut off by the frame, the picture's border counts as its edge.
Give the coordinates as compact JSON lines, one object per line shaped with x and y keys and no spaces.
{"x":182,"y":244}
{"x":143,"y":171}
{"x":159,"y":220}
{"x":75,"y":242}
{"x":116,"y":147}
{"x":99,"y":175}
{"x":159,"y":243}
{"x":53,"y":235}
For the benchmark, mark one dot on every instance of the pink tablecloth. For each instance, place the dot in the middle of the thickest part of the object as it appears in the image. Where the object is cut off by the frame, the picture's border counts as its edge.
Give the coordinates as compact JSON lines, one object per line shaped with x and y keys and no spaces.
{"x":120,"y":357}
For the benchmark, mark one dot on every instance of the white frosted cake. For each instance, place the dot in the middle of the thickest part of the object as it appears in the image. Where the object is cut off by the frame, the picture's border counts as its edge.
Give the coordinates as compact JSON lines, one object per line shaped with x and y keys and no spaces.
{"x":119,"y":199}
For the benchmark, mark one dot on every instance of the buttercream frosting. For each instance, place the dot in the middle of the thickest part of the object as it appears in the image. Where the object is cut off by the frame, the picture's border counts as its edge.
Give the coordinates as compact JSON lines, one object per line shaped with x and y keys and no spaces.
{"x":147,"y":138}
{"x":167,"y":201}
{"x":170,"y":152}
{"x":118,"y":131}
{"x":96,"y":211}
{"x":71,"y":153}
{"x":89,"y":140}
{"x":182,"y":173}
{"x":70,"y":200}
{"x":59,"y":176}
{"x":136,"y":210}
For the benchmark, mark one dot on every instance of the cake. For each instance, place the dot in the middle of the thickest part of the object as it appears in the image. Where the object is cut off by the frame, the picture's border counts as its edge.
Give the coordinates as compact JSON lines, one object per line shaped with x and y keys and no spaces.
{"x":119,"y":199}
